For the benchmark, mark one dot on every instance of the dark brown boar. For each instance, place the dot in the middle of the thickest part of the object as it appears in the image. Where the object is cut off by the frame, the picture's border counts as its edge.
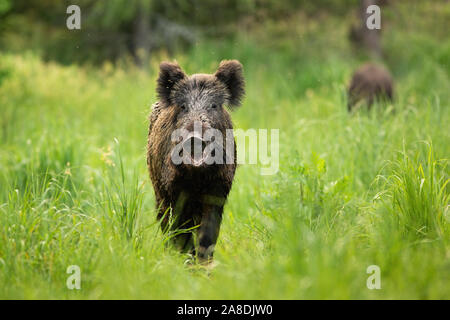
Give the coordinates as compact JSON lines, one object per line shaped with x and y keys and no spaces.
{"x":370,"y":82}
{"x":193,"y":192}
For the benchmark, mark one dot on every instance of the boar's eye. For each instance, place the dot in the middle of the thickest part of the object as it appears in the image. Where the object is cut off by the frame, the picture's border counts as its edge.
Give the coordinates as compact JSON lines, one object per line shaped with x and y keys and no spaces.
{"x":213,"y":106}
{"x":183,"y":107}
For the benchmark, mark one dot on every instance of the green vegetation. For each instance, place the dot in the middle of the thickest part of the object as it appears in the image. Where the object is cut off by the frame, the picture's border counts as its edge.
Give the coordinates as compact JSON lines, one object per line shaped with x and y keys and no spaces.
{"x":371,"y":188}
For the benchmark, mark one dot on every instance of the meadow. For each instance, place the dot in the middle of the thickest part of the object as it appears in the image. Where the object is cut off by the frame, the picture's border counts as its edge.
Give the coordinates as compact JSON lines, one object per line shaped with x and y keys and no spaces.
{"x":352,"y":190}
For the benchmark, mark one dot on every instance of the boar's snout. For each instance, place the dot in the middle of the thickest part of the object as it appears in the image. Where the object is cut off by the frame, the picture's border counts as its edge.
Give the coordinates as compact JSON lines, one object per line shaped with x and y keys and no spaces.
{"x":194,"y":147}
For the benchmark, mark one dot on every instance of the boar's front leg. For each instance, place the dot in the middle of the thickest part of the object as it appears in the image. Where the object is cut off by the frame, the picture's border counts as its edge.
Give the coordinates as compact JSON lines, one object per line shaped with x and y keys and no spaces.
{"x":208,"y":231}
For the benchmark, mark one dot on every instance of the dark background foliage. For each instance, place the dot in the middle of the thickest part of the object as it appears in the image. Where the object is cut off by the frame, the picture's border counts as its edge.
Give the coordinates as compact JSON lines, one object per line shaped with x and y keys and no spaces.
{"x":114,"y":28}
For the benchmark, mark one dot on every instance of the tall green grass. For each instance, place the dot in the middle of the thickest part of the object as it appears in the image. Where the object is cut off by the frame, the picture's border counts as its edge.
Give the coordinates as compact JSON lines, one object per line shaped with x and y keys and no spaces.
{"x":351,"y":190}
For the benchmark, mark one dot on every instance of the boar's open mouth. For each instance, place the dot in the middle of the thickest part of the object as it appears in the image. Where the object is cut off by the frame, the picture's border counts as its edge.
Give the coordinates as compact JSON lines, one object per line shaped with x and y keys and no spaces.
{"x":200,"y":153}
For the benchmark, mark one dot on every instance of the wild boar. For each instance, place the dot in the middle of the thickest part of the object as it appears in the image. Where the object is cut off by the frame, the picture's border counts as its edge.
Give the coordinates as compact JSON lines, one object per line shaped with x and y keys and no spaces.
{"x":194,"y":190}
{"x":370,"y":82}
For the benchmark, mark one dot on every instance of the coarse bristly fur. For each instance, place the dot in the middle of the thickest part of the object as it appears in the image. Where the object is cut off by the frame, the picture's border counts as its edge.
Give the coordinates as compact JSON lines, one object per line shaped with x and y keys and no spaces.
{"x":194,"y":196}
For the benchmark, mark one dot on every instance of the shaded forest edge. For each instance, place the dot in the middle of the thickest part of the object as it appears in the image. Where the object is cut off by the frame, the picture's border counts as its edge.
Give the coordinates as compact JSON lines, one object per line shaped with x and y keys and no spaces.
{"x":137,"y":29}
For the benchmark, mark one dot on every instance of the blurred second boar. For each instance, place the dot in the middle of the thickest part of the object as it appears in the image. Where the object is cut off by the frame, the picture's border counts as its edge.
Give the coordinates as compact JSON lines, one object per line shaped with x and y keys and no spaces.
{"x":369,"y":83}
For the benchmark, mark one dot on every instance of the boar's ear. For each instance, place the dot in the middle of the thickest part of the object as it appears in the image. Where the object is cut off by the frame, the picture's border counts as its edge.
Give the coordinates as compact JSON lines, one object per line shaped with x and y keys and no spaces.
{"x":169,"y":75}
{"x":230,"y":74}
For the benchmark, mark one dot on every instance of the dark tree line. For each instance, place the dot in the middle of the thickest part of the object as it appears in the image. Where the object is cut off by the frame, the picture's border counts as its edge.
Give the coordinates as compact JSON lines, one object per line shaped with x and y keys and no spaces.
{"x":113,"y":28}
